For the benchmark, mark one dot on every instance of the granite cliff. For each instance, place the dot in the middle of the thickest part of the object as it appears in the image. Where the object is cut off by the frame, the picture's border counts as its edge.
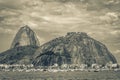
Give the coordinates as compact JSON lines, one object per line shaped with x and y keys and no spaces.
{"x":25,"y":36}
{"x":74,"y":48}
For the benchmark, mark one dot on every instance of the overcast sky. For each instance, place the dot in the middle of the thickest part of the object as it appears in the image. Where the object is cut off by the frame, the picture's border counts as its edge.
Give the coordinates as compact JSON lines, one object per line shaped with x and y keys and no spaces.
{"x":53,"y":18}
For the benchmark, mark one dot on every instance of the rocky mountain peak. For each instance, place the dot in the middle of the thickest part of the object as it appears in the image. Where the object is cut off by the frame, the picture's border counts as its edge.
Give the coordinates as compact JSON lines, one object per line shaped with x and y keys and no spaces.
{"x":25,"y":36}
{"x":73,"y":48}
{"x":26,"y":27}
{"x":78,"y":34}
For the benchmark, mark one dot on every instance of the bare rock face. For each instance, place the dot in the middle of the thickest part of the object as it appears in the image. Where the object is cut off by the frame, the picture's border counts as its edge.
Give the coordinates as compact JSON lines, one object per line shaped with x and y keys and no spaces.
{"x":18,"y":55}
{"x":22,"y":49}
{"x":25,"y":37}
{"x":74,"y":48}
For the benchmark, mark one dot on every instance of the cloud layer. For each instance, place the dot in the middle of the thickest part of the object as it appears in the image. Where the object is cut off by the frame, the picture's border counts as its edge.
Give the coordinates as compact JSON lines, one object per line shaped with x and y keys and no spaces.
{"x":54,"y":18}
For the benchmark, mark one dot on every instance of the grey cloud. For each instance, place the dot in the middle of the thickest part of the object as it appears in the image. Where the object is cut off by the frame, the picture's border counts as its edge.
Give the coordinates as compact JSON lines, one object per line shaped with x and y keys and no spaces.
{"x":110,"y":18}
{"x":7,"y":31}
{"x":1,"y":19}
{"x":54,"y":18}
{"x":10,"y":4}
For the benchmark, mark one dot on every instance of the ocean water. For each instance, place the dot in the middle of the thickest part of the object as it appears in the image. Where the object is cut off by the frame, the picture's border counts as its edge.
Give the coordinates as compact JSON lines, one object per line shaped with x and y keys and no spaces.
{"x":77,"y":75}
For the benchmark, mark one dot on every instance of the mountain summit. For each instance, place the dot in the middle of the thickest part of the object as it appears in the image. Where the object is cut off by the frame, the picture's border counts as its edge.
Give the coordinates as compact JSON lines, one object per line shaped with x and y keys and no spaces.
{"x":22,"y":49}
{"x":74,"y":48}
{"x":24,"y":37}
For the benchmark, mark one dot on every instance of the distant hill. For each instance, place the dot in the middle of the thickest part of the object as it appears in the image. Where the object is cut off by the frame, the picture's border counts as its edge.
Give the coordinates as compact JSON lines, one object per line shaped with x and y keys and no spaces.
{"x":74,"y":48}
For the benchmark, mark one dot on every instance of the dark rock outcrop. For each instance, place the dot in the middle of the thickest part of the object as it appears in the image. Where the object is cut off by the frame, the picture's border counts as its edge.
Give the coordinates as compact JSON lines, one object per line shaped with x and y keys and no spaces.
{"x":25,"y":36}
{"x":18,"y":55}
{"x":74,"y":48}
